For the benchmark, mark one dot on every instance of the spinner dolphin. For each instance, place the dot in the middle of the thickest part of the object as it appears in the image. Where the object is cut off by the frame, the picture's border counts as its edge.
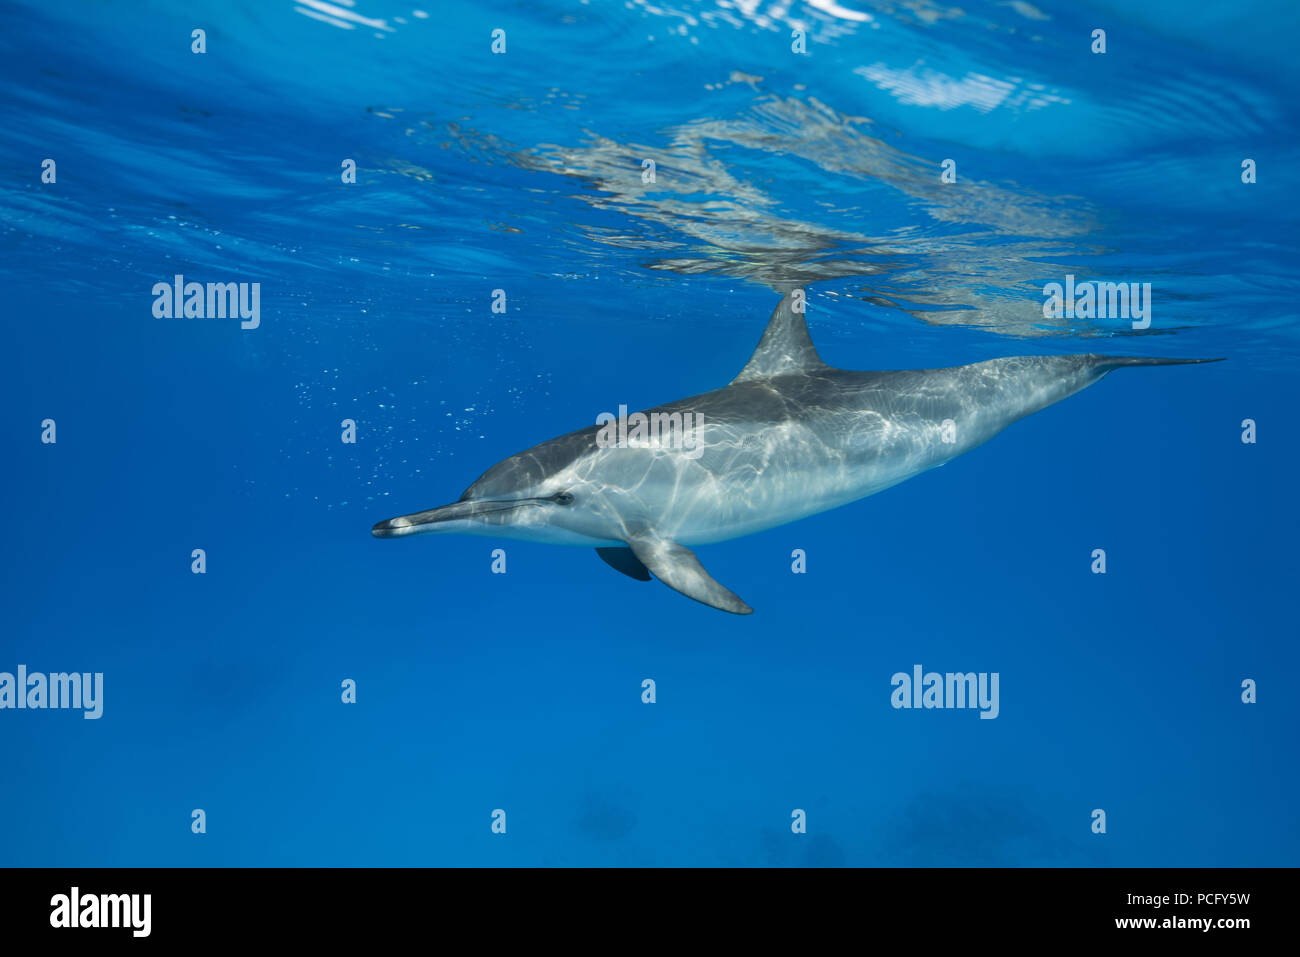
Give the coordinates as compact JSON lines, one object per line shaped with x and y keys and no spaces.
{"x":789,"y":437}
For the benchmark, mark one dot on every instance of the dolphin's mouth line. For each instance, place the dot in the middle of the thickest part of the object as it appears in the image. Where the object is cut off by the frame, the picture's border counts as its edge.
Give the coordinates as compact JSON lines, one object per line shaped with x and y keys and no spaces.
{"x":456,"y":511}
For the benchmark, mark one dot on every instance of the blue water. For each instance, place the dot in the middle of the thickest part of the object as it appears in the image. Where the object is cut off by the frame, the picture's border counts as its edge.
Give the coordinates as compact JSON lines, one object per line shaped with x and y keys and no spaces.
{"x":522,"y":171}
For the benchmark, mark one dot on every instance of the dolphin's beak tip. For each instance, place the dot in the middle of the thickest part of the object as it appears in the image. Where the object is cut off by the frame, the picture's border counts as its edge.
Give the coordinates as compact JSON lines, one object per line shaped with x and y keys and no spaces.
{"x":405,"y":524}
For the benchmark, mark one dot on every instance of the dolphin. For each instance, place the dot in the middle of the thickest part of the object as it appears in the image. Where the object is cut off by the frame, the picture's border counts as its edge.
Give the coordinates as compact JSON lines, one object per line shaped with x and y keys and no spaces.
{"x":788,"y":437}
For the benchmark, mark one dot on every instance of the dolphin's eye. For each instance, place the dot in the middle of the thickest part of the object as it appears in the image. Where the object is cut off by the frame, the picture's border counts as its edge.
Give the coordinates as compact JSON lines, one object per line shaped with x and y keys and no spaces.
{"x":563,"y":498}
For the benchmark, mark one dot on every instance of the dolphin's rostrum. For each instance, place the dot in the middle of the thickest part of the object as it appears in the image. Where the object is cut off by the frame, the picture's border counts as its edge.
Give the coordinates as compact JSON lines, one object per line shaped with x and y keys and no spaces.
{"x":788,"y":437}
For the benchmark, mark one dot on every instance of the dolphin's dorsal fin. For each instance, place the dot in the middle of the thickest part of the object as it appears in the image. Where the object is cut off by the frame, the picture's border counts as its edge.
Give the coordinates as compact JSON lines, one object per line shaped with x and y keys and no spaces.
{"x":785,"y":347}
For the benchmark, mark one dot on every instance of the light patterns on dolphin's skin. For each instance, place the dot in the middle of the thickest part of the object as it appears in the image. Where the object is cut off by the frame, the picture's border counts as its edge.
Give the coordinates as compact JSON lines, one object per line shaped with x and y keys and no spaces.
{"x":787,"y":438}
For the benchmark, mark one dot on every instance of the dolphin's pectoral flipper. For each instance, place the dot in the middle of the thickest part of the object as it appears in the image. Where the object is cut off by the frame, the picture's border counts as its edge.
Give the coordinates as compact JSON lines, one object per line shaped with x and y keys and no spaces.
{"x":678,"y":568}
{"x":623,"y":560}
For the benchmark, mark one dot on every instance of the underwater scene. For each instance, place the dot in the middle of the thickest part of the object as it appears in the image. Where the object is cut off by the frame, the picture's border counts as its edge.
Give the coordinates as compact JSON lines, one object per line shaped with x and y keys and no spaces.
{"x":726,"y":433}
